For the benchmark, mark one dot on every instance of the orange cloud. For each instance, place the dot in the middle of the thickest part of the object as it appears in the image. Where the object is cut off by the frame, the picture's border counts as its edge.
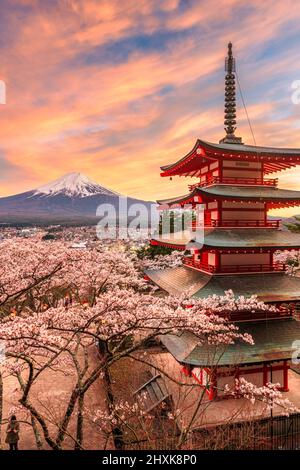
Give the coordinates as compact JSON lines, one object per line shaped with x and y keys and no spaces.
{"x":116,"y":89}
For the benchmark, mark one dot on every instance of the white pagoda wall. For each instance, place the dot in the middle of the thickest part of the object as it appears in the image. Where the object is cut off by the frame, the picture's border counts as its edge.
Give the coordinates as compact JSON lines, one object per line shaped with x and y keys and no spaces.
{"x":227,"y":376}
{"x":243,"y":205}
{"x":245,"y":258}
{"x":222,"y":382}
{"x":214,"y":165}
{"x":208,"y":171}
{"x":256,"y":378}
{"x":238,"y":169}
{"x":244,"y":213}
{"x":233,"y":173}
{"x":212,"y":259}
{"x":277,"y":375}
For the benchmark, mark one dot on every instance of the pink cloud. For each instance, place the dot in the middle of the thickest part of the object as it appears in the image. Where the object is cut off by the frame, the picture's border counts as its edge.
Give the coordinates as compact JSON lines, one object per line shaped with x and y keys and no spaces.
{"x":109,"y":119}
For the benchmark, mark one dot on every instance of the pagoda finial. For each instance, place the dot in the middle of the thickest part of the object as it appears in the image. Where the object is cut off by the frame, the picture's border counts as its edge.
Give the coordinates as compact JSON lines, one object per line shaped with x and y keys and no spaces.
{"x":230,"y":100}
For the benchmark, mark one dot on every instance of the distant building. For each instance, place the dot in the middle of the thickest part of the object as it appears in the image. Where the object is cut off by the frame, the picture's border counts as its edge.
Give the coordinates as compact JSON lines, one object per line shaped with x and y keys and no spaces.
{"x":27,"y":232}
{"x":79,"y":245}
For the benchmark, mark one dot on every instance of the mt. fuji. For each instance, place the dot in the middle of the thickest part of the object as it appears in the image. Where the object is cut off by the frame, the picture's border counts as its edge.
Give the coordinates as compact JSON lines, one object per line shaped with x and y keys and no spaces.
{"x":74,"y":185}
{"x":71,"y":198}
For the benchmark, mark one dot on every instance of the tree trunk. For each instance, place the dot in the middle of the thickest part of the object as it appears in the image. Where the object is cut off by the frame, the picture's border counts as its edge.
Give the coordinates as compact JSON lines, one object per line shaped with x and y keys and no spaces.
{"x":79,"y":434}
{"x":37,"y":435}
{"x":67,"y":417}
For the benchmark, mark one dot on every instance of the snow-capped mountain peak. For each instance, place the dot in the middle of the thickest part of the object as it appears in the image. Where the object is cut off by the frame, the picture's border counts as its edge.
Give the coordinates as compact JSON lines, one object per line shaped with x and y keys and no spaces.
{"x":73,"y":185}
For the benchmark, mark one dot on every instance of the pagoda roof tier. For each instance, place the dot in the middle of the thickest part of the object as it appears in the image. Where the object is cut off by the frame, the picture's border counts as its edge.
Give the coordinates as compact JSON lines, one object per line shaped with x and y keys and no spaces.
{"x":273,"y":159}
{"x":278,"y":287}
{"x":179,"y":280}
{"x":274,"y":197}
{"x":273,"y":341}
{"x":237,"y":238}
{"x":178,"y":240}
{"x":177,"y":201}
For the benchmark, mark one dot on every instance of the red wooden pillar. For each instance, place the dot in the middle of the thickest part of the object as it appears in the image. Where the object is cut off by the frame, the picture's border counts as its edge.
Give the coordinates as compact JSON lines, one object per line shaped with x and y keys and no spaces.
{"x":285,"y":376}
{"x":207,"y":217}
{"x":220,"y":171}
{"x":265,"y":213}
{"x":271,"y":259}
{"x":204,"y":257}
{"x":218,"y":260}
{"x":265,"y":374}
{"x":220,"y":213}
{"x":213,"y":385}
{"x":236,"y":380}
{"x":187,"y":370}
{"x":196,"y":257}
{"x":261,"y":172}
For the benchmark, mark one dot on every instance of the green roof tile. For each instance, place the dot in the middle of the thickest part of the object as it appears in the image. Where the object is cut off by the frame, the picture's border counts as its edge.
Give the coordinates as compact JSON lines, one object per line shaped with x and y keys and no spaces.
{"x":273,"y":340}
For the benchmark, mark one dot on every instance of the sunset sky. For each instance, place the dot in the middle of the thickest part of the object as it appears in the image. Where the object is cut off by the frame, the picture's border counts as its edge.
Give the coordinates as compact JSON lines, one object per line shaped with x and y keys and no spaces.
{"x":114,"y":89}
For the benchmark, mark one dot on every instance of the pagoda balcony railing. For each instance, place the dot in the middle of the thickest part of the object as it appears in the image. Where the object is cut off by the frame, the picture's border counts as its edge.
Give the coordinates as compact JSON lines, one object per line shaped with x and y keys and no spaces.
{"x":231,"y":269}
{"x":237,"y":181}
{"x":238,"y":223}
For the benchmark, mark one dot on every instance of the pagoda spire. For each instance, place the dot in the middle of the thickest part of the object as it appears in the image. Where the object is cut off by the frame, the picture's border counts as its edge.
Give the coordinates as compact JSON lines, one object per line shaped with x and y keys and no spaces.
{"x":230,"y":100}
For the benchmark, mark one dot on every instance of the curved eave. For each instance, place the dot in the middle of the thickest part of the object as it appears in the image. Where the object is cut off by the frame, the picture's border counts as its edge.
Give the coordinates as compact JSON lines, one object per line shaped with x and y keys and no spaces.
{"x":178,"y":280}
{"x":273,"y":197}
{"x":243,"y":149}
{"x":192,"y":153}
{"x":271,"y":287}
{"x":274,"y":159}
{"x":273,"y":340}
{"x":167,"y":244}
{"x":181,"y":246}
{"x":177,"y":201}
{"x":189,"y":165}
{"x":231,"y":239}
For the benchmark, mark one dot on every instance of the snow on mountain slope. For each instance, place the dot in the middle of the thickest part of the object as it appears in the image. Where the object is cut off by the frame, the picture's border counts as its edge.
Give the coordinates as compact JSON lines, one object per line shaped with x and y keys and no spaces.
{"x":73,"y":185}
{"x":73,"y":197}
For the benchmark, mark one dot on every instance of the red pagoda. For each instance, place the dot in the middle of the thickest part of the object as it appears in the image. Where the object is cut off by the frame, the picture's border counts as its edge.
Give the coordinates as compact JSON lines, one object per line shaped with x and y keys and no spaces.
{"x":237,"y":252}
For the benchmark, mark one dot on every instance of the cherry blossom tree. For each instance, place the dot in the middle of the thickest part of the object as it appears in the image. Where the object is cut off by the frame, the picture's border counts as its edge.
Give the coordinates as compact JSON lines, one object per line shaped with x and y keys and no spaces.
{"x":291,"y":258}
{"x":171,"y":260}
{"x":113,"y":312}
